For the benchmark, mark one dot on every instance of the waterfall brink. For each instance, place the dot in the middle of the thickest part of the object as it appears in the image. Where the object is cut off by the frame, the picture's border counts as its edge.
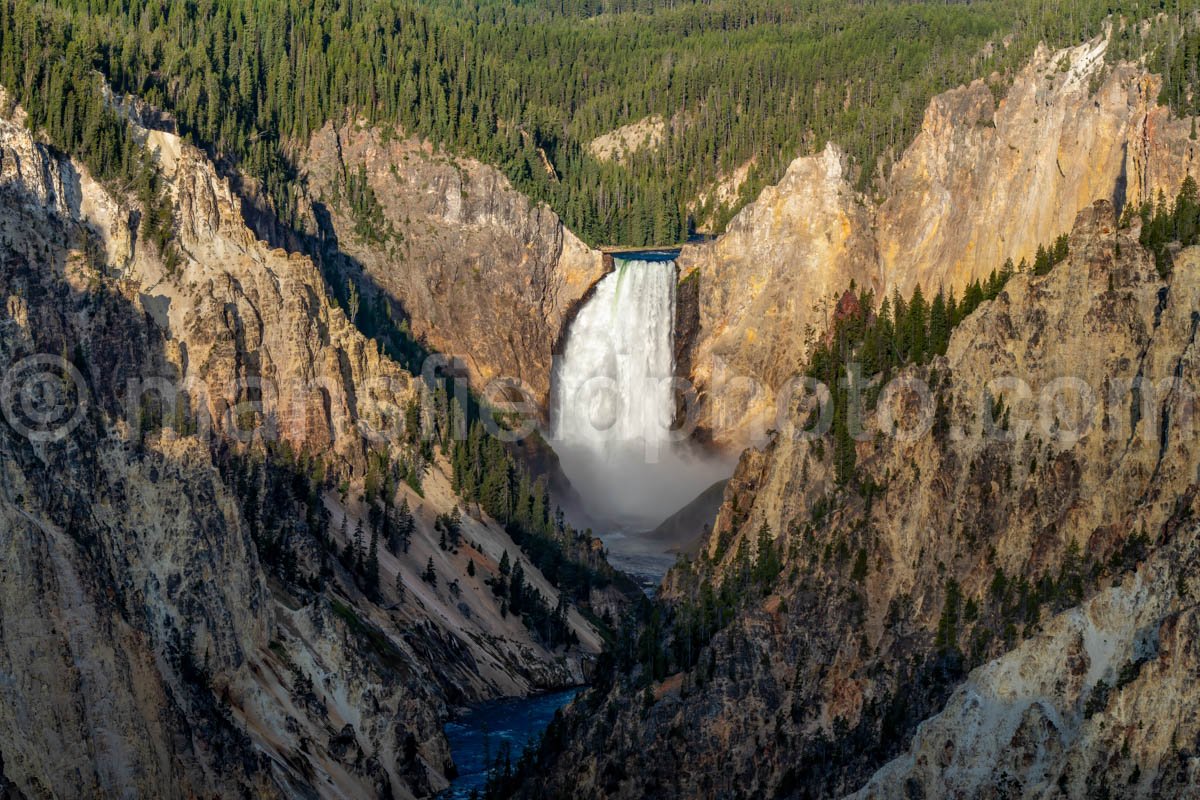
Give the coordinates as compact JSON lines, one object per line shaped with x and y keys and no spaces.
{"x":613,"y":401}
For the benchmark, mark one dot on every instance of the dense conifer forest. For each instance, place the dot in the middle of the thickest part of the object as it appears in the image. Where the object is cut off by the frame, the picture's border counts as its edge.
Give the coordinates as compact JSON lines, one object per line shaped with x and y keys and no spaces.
{"x":525,"y":86}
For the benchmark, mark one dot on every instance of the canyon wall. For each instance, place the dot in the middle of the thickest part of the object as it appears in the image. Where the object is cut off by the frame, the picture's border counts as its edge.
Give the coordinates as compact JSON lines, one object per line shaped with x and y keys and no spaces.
{"x":479,"y":271}
{"x":150,"y":648}
{"x":981,"y":183}
{"x":765,"y":287}
{"x":984,"y":182}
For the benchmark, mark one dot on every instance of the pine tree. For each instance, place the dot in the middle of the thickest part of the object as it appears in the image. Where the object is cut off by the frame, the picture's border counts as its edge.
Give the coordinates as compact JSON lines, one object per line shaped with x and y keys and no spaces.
{"x":561,"y":610}
{"x":1062,"y":246}
{"x":886,"y":336}
{"x":918,"y":314}
{"x":947,"y":631}
{"x":401,"y":529}
{"x":939,"y":324}
{"x":412,"y":421}
{"x":1041,"y":261}
{"x":516,"y":590}
{"x":372,"y":568}
{"x":360,"y":553}
{"x":972,"y":299}
{"x":454,"y":528}
{"x":994,"y":283}
{"x":869,"y":353}
{"x":901,"y":330}
{"x":845,"y":455}
{"x":1187,"y":212}
{"x":429,"y":575}
{"x":768,"y":562}
{"x":522,"y":513}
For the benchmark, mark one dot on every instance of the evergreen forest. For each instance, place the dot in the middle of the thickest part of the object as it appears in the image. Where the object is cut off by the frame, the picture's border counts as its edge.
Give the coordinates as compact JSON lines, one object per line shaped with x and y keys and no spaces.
{"x":526,"y":86}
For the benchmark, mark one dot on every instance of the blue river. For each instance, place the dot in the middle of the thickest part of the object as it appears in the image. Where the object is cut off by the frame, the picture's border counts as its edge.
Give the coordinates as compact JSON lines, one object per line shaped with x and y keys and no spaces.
{"x":477,"y":736}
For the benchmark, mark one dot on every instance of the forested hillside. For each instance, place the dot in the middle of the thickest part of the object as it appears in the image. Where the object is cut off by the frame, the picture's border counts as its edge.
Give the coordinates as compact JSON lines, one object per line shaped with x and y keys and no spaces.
{"x":526,"y":86}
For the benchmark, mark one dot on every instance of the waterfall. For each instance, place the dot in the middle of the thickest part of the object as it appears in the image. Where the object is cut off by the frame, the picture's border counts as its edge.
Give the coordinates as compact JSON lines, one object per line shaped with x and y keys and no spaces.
{"x":613,"y":401}
{"x":612,"y":389}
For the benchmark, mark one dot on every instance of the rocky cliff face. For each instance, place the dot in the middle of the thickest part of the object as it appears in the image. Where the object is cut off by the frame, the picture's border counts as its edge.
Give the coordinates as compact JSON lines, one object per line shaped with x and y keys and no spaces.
{"x":480,"y":271}
{"x":149,"y":647}
{"x":982,"y":182}
{"x":1099,"y":703}
{"x":749,"y":325}
{"x":959,"y":544}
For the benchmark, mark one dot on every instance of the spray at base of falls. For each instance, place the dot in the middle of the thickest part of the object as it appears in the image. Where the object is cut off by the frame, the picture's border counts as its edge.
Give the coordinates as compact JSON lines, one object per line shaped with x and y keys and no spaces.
{"x":613,"y":403}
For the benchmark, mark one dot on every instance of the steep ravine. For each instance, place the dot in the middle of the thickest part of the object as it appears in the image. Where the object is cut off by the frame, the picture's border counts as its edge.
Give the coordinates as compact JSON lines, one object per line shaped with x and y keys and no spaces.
{"x":148,"y":646}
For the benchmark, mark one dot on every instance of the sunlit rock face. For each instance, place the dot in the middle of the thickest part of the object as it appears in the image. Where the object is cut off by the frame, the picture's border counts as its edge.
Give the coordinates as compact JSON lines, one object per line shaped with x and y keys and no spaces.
{"x":765,"y":289}
{"x":984,"y":181}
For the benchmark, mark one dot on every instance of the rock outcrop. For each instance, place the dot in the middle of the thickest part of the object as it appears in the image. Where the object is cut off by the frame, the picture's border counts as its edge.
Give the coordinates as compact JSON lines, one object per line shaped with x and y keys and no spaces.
{"x":986,"y":181}
{"x":981,"y":183}
{"x":762,"y":285}
{"x":618,"y":145}
{"x":1102,"y":702}
{"x":148,"y":646}
{"x":479,"y":271}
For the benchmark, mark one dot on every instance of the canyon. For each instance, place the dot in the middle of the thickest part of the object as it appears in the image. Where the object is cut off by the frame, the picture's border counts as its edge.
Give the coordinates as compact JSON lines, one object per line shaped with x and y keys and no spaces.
{"x":1001,"y":607}
{"x":150,"y":644}
{"x":899,"y":652}
{"x":809,"y":689}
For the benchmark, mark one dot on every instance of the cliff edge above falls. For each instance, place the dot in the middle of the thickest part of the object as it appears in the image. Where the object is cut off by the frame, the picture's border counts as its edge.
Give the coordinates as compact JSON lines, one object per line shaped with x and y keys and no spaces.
{"x":982,"y":182}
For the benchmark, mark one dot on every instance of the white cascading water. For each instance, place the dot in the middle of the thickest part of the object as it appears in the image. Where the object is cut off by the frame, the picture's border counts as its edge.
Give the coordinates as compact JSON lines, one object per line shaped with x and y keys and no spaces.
{"x":613,"y":402}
